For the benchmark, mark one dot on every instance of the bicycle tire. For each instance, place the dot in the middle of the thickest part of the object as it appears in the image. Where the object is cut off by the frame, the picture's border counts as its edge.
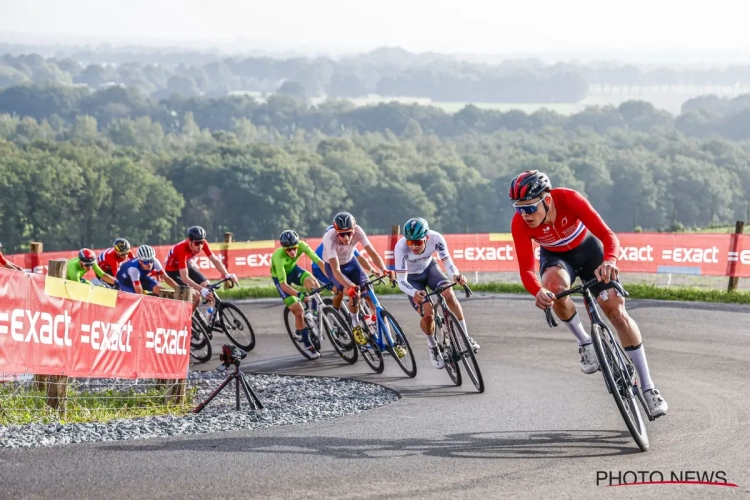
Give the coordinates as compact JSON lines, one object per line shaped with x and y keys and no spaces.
{"x":198,"y":342}
{"x":458,"y":331}
{"x":229,"y":306}
{"x":371,"y":352}
{"x":289,"y":322}
{"x":399,"y":338}
{"x":605,"y":355}
{"x":348,"y":352}
{"x":451,"y":366}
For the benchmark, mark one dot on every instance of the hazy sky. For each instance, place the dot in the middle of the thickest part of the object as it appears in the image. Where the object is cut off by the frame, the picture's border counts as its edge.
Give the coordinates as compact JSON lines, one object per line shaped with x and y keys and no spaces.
{"x":475,"y":26}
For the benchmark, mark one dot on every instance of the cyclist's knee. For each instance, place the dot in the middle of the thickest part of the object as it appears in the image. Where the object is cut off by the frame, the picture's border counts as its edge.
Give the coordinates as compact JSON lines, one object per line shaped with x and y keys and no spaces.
{"x":296,"y":309}
{"x":556,"y":279}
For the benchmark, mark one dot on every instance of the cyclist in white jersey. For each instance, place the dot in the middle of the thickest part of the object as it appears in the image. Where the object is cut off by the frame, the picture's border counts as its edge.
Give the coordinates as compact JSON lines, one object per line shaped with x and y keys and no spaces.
{"x":417,"y":269}
{"x":344,"y":269}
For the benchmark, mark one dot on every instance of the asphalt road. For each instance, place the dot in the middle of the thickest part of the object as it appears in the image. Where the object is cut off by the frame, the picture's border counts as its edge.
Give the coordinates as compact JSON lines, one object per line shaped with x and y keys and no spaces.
{"x":542,"y":429}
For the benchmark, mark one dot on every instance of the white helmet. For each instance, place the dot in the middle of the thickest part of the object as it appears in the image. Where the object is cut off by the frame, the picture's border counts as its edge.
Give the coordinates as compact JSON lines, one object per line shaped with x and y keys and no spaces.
{"x":145,"y":252}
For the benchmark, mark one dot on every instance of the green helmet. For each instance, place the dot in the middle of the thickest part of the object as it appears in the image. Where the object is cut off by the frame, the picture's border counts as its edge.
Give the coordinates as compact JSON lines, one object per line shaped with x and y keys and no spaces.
{"x":416,"y":228}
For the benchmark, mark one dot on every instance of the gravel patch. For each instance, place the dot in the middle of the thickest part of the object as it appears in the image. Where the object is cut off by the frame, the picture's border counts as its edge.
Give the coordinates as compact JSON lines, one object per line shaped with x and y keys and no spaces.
{"x":286,"y":400}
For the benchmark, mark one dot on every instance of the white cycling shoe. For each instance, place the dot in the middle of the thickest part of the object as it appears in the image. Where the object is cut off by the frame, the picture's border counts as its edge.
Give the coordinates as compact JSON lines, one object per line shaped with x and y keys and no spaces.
{"x":436,"y":358}
{"x":656,"y":404}
{"x":589,"y":363}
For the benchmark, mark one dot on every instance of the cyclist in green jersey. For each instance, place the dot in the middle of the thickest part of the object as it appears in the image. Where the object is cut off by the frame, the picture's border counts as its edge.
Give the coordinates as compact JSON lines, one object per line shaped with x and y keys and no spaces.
{"x":285,"y":272}
{"x":80,"y":265}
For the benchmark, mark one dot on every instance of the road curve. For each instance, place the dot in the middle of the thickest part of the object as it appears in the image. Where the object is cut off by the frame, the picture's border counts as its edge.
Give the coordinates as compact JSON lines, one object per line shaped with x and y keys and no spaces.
{"x":542,"y":429}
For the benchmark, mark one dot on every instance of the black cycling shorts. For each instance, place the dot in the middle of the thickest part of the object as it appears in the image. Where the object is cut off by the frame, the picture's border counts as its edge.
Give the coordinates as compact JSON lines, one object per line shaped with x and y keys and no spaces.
{"x":580,"y":262}
{"x":193,"y":274}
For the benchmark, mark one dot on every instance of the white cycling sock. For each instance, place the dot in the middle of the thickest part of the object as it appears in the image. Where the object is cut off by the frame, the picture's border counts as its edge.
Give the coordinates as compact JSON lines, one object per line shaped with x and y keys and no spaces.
{"x":638,"y":357}
{"x":355,"y":318}
{"x":430,"y":340}
{"x":463,"y":325}
{"x":575,"y":326}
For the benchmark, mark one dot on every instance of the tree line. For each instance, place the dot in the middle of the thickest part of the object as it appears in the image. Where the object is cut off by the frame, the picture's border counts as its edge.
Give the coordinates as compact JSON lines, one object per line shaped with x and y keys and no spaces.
{"x":384,"y":71}
{"x":115,"y":110}
{"x":70,"y":181}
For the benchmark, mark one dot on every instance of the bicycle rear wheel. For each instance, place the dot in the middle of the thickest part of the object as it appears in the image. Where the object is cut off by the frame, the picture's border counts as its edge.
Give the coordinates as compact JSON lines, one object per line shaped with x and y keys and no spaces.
{"x":236,"y":326}
{"x":463,"y":347}
{"x":408,"y":364}
{"x":291,"y":329}
{"x":200,"y":344}
{"x":339,"y":334}
{"x":617,"y":379}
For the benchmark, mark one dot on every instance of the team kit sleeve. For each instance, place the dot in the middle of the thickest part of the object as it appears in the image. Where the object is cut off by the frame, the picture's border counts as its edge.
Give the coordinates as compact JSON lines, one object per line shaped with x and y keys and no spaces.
{"x":444,"y":254}
{"x":207,"y":249}
{"x":362,"y":236}
{"x":401,"y":267}
{"x":278,"y":259}
{"x":134,"y":275}
{"x":309,"y":252}
{"x":525,"y":254}
{"x":3,"y":261}
{"x":594,"y":222}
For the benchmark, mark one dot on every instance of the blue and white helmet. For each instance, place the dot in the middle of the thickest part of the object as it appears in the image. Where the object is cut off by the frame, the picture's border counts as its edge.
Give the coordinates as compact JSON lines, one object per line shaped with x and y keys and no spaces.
{"x":416,"y":228}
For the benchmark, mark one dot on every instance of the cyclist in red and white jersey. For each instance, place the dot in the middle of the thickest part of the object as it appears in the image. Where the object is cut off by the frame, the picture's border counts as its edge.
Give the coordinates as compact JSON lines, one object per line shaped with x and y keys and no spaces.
{"x":180,"y":268}
{"x":6,"y":263}
{"x":109,"y":260}
{"x":574,"y":242}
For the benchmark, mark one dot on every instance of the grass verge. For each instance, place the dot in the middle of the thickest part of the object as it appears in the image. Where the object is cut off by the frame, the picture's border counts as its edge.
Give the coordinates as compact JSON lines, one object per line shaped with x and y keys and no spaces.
{"x":636,"y":291}
{"x":19,"y":407}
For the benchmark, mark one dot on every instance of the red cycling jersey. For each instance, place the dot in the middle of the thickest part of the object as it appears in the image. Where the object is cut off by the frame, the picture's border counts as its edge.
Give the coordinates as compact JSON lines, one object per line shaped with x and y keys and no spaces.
{"x":575,"y":217}
{"x":178,"y":256}
{"x":110,"y":262}
{"x":3,"y":262}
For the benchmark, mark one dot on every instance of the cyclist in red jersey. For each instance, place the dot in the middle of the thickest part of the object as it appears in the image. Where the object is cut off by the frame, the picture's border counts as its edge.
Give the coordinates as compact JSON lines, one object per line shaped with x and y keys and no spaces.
{"x":179,"y":267}
{"x":110,"y":259}
{"x":574,"y":242}
{"x":6,"y":263}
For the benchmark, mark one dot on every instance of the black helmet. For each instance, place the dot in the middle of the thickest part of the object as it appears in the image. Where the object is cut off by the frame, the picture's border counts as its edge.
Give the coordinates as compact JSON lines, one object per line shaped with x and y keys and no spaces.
{"x":121,"y":245}
{"x":344,"y":221}
{"x":196,"y":233}
{"x":288,"y":238}
{"x":86,"y":256}
{"x":528,"y":185}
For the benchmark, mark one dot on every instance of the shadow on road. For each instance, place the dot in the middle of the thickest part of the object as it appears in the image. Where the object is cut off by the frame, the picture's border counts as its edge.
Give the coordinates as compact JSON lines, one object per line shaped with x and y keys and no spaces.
{"x":491,"y":445}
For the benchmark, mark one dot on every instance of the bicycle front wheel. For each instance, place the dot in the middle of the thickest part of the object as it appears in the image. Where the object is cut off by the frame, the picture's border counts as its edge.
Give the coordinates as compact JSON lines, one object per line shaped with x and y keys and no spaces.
{"x":616,"y":376}
{"x":394,"y":330}
{"x":200,"y":344}
{"x":447,"y":347}
{"x":339,"y":334}
{"x":236,"y":326}
{"x":463,"y":347}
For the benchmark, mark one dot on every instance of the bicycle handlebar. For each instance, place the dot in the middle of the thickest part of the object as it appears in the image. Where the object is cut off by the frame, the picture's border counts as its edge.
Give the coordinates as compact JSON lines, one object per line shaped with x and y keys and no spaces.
{"x":216,"y":285}
{"x":440,"y":290}
{"x":579,"y":289}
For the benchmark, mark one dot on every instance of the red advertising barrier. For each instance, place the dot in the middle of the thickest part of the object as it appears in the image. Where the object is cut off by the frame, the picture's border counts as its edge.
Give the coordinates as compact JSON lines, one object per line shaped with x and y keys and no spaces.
{"x":101,"y":333}
{"x":676,"y":253}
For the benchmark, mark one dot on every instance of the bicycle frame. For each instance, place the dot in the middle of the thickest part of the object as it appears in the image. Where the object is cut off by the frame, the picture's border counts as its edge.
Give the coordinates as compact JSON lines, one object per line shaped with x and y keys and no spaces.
{"x":383,"y":337}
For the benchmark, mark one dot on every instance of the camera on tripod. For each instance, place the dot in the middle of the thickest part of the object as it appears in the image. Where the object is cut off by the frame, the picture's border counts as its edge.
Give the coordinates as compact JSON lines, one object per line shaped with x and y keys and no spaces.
{"x":231,"y":354}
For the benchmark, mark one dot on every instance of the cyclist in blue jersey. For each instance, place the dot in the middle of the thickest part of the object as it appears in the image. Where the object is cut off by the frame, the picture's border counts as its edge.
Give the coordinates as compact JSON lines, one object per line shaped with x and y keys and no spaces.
{"x":137,"y":275}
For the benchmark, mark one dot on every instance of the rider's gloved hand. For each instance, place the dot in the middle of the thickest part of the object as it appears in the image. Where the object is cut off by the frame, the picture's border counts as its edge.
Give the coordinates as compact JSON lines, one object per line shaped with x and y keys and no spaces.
{"x":230,"y":276}
{"x":544,"y":299}
{"x":352,"y":291}
{"x":205,"y":292}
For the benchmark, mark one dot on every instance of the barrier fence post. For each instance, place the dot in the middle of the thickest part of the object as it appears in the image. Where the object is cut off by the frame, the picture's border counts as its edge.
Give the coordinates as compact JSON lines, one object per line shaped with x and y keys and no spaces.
{"x":733,"y":246}
{"x":228,"y":238}
{"x":35,"y":253}
{"x":176,"y":389}
{"x":57,"y":385}
{"x":395,"y":232}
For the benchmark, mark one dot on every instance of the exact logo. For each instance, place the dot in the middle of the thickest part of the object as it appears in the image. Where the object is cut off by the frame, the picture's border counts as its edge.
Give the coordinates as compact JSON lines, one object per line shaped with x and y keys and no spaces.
{"x":707,"y":255}
{"x":23,"y":327}
{"x":167,"y":341}
{"x":484,"y":253}
{"x":254,"y":260}
{"x":641,"y":254}
{"x":105,"y":336}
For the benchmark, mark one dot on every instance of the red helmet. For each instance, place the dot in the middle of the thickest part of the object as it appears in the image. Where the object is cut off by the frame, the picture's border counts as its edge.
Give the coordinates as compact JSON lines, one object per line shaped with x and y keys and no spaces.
{"x":86,"y":256}
{"x":528,"y":185}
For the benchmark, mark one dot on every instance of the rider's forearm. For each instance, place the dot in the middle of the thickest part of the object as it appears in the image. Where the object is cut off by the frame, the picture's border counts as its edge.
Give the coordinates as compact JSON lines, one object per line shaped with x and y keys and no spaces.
{"x":186,"y":279}
{"x":406,"y":287}
{"x":289,"y":290}
{"x":365,"y":264}
{"x":219,"y":265}
{"x":376,"y":258}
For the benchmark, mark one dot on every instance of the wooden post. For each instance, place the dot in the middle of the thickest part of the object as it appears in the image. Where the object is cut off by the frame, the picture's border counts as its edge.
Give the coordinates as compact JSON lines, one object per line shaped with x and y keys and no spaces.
{"x":228,"y":238}
{"x":391,"y":255}
{"x":57,"y":385}
{"x":734,"y":256}
{"x":176,"y":388}
{"x":35,"y":252}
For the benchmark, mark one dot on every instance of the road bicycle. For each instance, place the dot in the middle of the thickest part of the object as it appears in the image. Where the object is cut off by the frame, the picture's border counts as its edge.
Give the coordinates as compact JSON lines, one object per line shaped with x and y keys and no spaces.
{"x":226,"y":317}
{"x":330,"y":322}
{"x":383,"y":334}
{"x":452,"y":340}
{"x":615,"y":365}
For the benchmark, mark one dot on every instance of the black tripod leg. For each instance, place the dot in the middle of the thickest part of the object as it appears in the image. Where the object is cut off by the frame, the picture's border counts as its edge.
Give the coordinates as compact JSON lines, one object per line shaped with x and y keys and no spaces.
{"x":213,"y":394}
{"x":249,"y":391}
{"x":237,"y":381}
